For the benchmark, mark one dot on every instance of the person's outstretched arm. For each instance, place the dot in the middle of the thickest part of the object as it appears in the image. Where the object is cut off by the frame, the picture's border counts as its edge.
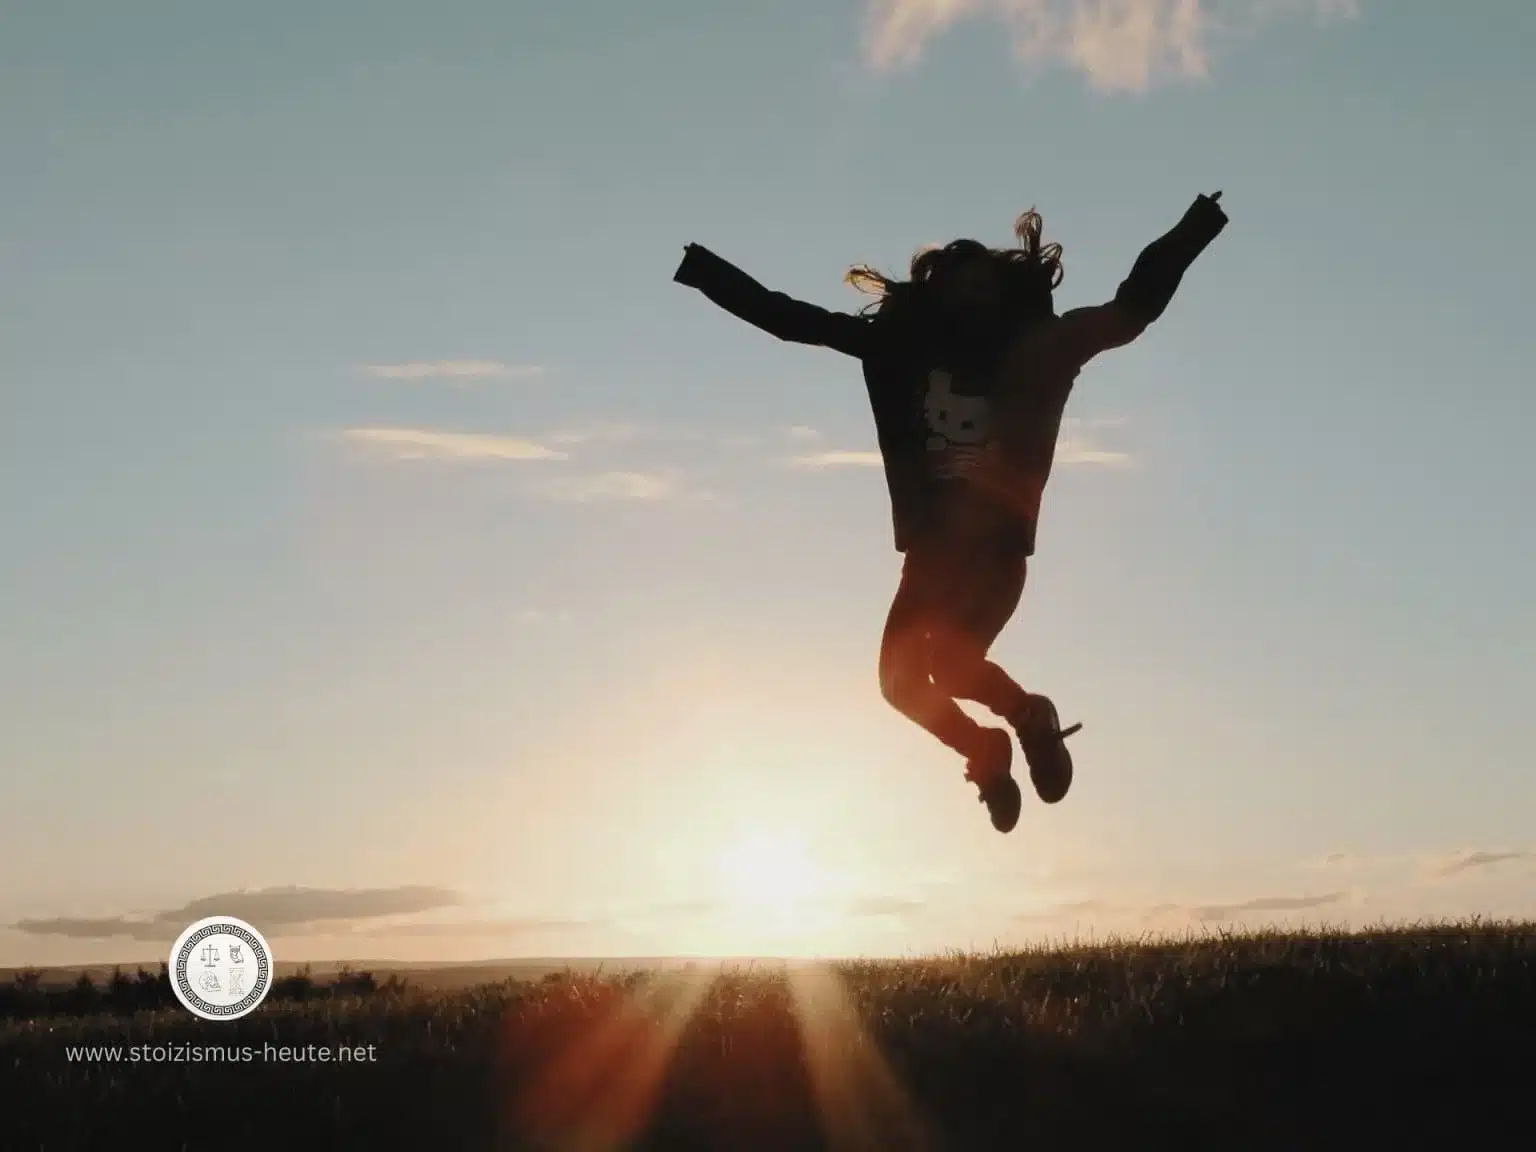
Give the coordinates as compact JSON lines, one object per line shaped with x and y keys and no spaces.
{"x":775,"y":313}
{"x":1143,"y":295}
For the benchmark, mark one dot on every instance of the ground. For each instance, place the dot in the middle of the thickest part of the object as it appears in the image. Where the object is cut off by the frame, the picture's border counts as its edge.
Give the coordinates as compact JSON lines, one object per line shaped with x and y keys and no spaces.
{"x":1400,"y":1038}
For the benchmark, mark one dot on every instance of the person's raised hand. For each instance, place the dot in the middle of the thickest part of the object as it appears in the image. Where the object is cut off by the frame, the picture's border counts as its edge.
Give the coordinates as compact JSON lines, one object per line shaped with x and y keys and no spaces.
{"x":1211,"y":204}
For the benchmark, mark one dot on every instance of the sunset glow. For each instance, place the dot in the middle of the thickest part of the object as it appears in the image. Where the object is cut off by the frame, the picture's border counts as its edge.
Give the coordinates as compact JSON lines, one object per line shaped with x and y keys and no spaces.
{"x":769,"y":878}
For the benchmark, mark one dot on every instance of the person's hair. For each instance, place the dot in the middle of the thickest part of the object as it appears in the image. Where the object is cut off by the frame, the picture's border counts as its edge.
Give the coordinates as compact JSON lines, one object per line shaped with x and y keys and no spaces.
{"x":1030,"y":272}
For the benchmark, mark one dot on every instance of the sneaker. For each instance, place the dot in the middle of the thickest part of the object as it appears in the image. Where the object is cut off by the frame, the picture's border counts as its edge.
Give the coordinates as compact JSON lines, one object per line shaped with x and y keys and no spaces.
{"x":991,"y":771}
{"x":1045,"y":747}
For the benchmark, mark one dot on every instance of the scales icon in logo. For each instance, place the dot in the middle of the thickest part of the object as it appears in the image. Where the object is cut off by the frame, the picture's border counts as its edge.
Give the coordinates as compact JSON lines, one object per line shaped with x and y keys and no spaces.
{"x":221,"y":968}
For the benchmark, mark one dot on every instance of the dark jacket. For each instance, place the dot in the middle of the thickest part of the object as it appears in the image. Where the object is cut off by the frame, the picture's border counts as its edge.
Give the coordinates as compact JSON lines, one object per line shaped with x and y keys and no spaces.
{"x":896,"y":358}
{"x":887,"y":351}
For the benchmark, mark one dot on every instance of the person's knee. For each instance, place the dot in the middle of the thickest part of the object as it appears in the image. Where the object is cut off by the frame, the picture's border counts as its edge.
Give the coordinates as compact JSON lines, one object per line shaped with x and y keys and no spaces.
{"x":957,"y":666}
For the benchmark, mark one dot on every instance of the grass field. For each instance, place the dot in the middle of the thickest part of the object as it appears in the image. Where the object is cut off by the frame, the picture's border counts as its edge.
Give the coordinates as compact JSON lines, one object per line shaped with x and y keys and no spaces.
{"x":1402,"y":1038}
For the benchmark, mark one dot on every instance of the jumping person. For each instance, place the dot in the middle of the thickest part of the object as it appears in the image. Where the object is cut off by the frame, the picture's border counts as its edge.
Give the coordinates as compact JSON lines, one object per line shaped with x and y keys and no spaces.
{"x":968,"y":370}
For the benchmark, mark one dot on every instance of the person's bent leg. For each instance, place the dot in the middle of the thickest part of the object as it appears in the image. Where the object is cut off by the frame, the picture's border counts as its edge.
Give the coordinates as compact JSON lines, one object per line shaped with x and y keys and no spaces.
{"x":919,"y":628}
{"x":905,"y":660}
{"x":963,"y":673}
{"x":961,"y":667}
{"x":906,"y":679}
{"x":993,"y":587}
{"x":907,"y":685}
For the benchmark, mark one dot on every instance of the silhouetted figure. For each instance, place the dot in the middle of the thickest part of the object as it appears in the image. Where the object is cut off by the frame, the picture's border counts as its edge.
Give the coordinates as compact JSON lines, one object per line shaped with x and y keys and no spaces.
{"x":968,"y":370}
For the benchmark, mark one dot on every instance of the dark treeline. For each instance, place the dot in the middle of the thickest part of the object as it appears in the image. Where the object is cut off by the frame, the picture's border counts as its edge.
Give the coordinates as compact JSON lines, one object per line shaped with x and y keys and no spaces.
{"x":27,"y":997}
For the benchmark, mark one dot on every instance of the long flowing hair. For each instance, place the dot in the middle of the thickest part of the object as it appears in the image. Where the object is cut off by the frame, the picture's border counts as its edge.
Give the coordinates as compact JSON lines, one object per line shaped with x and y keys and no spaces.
{"x":1031,"y":271}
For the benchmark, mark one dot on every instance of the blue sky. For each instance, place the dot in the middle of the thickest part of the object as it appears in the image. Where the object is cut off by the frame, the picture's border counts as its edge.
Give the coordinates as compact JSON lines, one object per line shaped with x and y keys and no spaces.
{"x":376,"y":515}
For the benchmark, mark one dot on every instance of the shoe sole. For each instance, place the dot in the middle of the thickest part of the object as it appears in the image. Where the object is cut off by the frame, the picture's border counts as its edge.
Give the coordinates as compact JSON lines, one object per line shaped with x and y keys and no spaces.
{"x":1015,"y":801}
{"x":1052,"y":780}
{"x":1050,"y":766}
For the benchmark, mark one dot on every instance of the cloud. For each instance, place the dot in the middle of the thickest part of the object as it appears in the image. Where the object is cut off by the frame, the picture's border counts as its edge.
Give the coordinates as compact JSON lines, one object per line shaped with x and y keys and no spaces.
{"x":1078,"y":443}
{"x":453,"y":369}
{"x":462,"y":928}
{"x":432,"y":444}
{"x":1435,"y":865}
{"x":633,"y":485}
{"x":1469,"y":861}
{"x":835,"y":458}
{"x":1110,"y":912}
{"x":103,"y":928}
{"x":1071,"y":452}
{"x":619,"y":487}
{"x":1265,"y":904}
{"x":291,"y":905}
{"x":1075,"y":446}
{"x":622,"y":432}
{"x":1362,"y":862}
{"x":604,"y":432}
{"x":802,"y":432}
{"x":270,"y":909}
{"x":1120,"y":45}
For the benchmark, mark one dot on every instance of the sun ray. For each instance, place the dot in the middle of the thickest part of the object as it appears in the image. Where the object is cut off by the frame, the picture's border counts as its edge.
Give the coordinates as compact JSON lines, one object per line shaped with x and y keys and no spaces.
{"x":599,"y":1087}
{"x":861,"y":1101}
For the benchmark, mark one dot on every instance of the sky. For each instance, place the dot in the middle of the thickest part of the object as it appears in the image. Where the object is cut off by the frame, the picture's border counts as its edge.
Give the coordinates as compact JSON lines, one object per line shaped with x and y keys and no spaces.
{"x":392,"y":555}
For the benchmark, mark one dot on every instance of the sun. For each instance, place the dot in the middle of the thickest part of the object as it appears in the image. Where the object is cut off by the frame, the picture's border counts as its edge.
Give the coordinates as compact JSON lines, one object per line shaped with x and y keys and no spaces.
{"x":769,"y":878}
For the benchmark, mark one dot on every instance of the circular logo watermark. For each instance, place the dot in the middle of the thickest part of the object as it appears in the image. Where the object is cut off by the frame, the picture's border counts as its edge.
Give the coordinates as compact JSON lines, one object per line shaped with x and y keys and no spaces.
{"x":221,"y":968}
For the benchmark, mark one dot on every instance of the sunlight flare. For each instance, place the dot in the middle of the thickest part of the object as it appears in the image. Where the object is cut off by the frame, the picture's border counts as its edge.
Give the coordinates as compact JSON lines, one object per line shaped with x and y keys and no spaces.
{"x":862,"y":1103}
{"x":598,"y":1086}
{"x":770,"y":879}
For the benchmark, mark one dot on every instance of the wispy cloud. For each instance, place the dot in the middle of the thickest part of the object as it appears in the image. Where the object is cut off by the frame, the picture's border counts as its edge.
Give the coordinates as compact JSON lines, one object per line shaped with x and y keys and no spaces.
{"x":435,"y":444}
{"x":834,"y":458}
{"x":1265,"y":904}
{"x":1459,"y":863}
{"x":98,"y":928}
{"x":1105,"y":912}
{"x":1079,"y":443}
{"x":505,"y":927}
{"x":604,"y":432}
{"x":1362,"y":862}
{"x":453,"y":370}
{"x":1076,"y":446}
{"x":1124,"y":45}
{"x":1075,"y":452}
{"x":606,"y":486}
{"x":625,"y":432}
{"x":620,"y":487}
{"x":270,"y":909}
